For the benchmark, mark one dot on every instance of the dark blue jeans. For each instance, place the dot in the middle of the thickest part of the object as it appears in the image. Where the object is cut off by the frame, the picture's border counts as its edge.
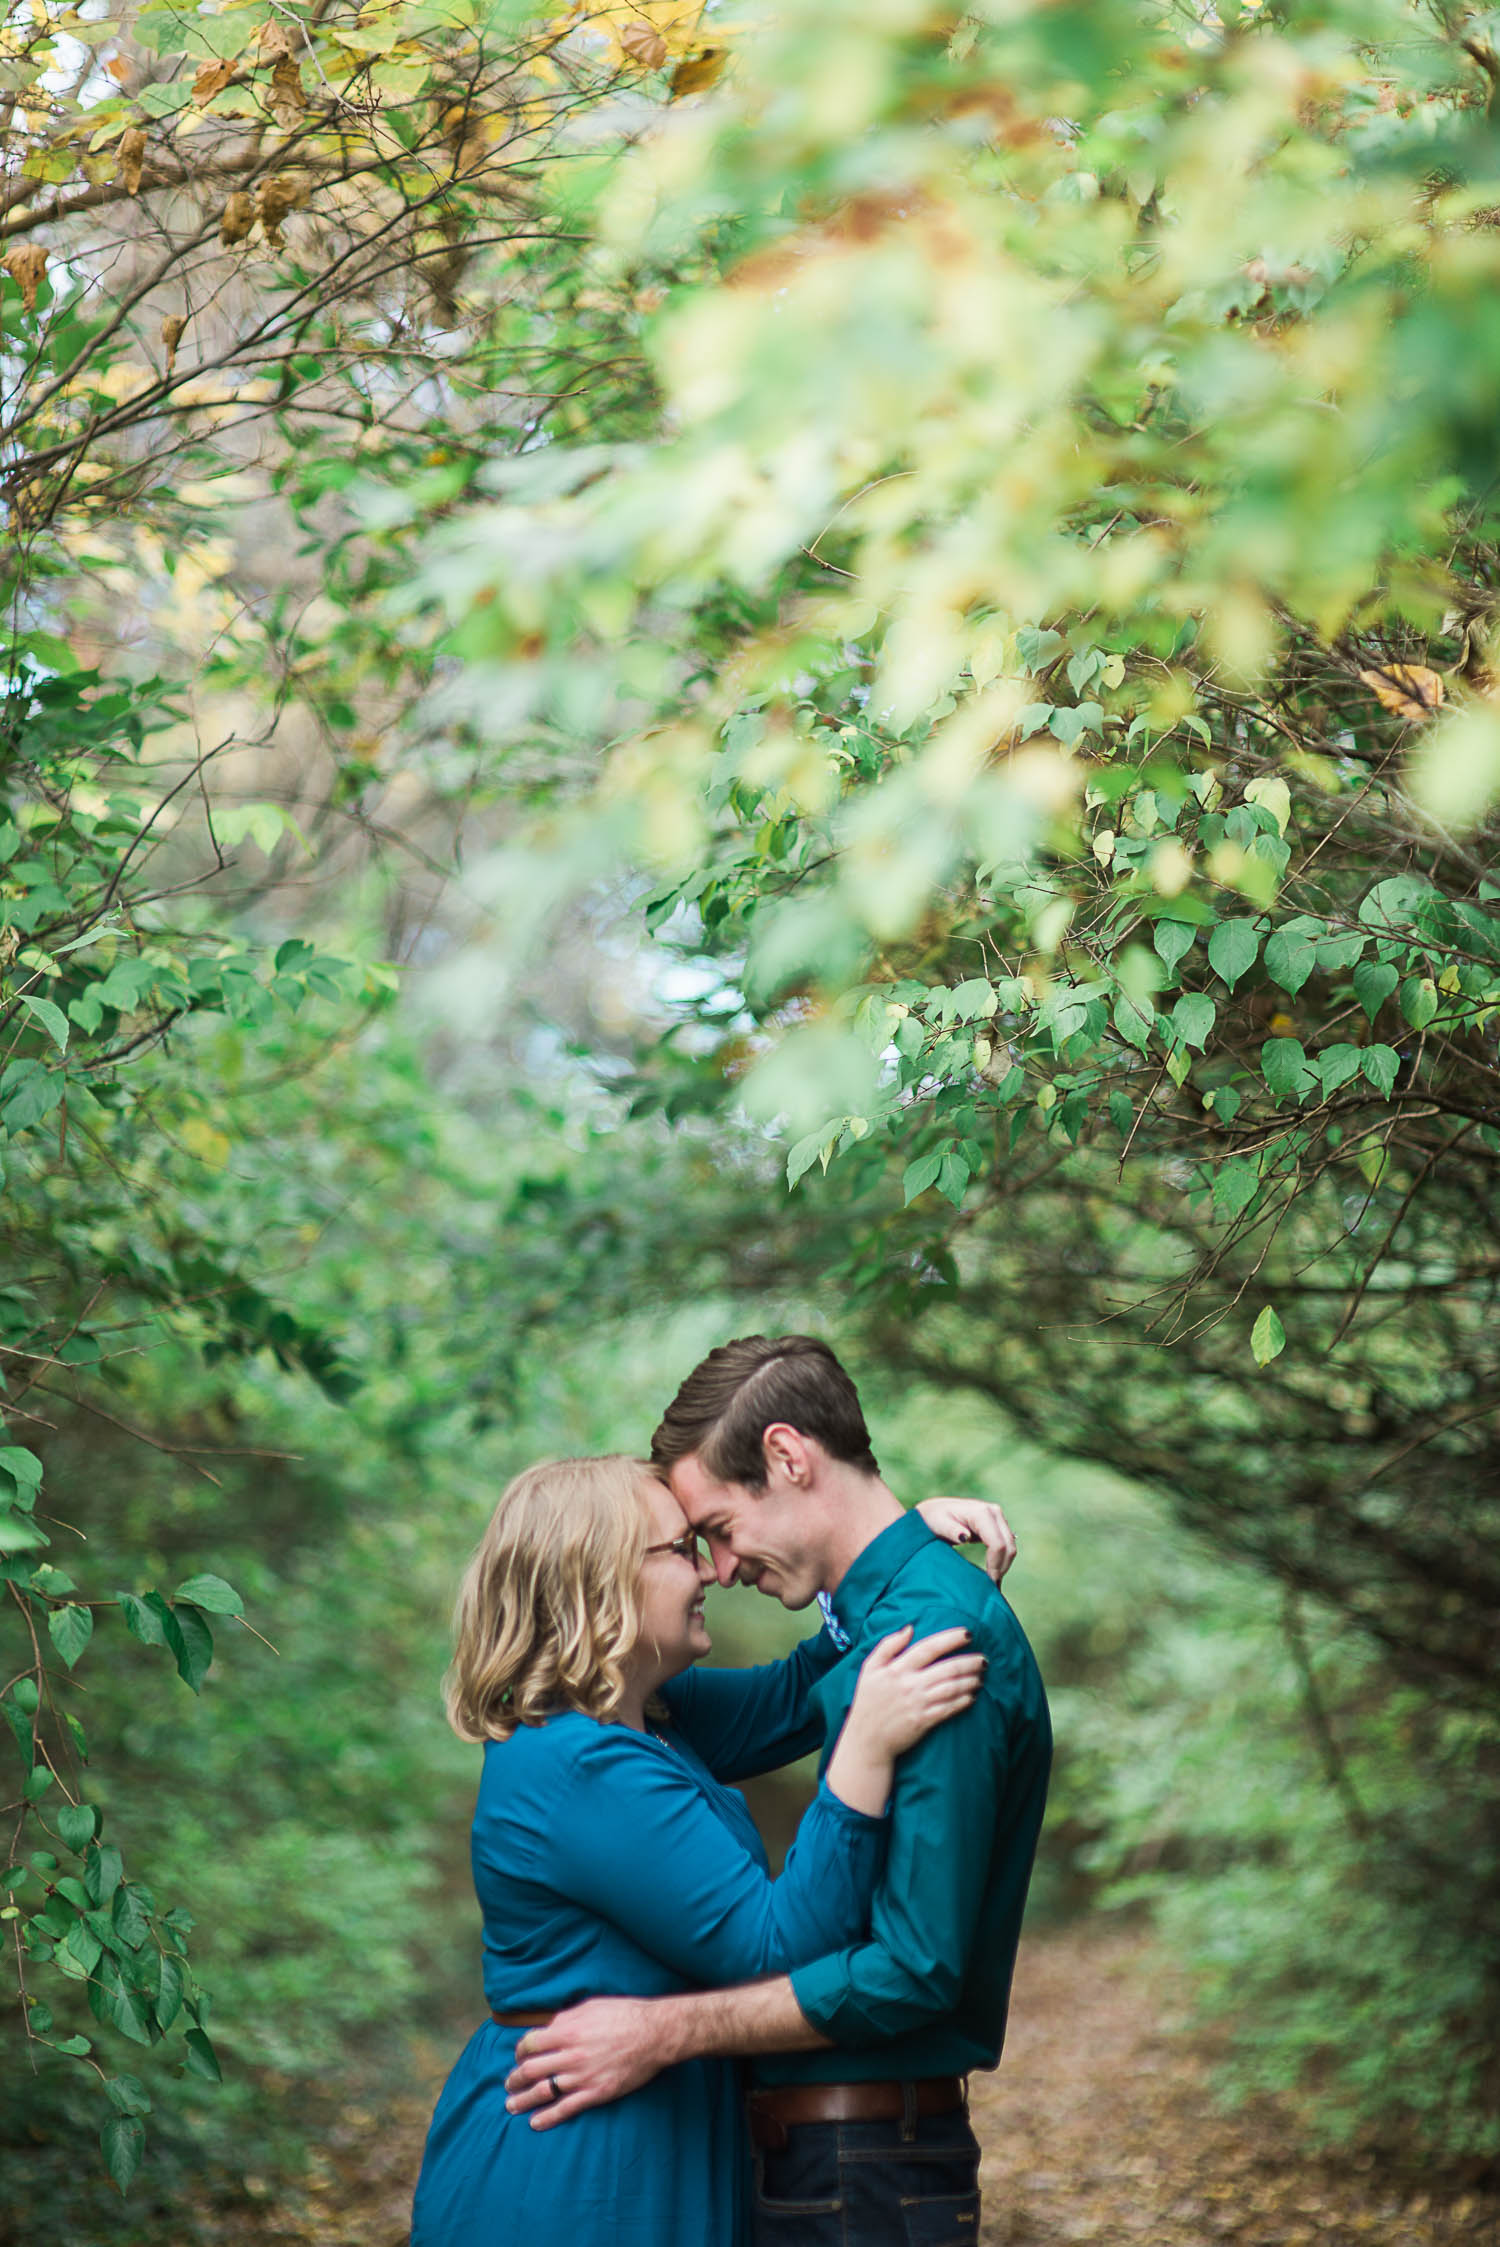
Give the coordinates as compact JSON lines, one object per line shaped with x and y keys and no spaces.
{"x":870,"y":2184}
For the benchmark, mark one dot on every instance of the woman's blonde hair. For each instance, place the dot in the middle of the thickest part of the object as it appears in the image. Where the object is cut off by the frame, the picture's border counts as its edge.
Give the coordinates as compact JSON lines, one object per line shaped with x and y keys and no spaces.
{"x":547,"y":1611}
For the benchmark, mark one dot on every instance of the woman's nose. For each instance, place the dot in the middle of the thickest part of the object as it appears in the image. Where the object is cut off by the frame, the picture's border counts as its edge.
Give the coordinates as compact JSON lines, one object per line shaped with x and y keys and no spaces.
{"x":707,"y":1572}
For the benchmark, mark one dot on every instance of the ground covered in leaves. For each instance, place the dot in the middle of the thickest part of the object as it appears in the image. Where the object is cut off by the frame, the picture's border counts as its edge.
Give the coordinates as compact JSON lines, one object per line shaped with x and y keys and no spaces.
{"x":1098,"y":2127}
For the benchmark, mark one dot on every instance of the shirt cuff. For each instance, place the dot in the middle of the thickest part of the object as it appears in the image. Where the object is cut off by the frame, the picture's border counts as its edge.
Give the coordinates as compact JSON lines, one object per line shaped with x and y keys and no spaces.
{"x":819,"y":1988}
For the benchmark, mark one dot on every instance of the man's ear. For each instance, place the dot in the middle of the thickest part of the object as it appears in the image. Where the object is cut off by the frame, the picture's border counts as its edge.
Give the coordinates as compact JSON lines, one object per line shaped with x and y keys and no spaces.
{"x":788,"y":1454}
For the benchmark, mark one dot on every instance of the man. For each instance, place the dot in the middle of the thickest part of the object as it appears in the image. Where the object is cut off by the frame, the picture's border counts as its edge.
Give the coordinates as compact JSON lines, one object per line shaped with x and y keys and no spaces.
{"x":858,"y":2110}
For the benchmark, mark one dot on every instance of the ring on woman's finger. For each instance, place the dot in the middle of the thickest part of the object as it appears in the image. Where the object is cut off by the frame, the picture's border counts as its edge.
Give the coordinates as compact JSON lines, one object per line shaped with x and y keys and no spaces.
{"x":557,"y":2089}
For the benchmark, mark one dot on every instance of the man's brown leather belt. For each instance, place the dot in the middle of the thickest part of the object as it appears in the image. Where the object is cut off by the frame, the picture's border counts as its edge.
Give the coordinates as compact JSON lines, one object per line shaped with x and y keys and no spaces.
{"x":777,"y":2109}
{"x":521,"y":2020}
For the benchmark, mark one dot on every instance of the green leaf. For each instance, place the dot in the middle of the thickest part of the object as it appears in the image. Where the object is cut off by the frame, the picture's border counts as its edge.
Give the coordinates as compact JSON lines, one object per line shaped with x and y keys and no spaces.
{"x":800,"y":1159}
{"x":103,"y":1872}
{"x":974,"y":1001}
{"x":1381,"y":1064}
{"x":1419,"y":1000}
{"x":1236,"y":1183}
{"x":52,"y":1019}
{"x":212,"y":1593}
{"x":197,"y":1647}
{"x":1267,"y":1337}
{"x":1172,"y":939}
{"x":129,"y":1918}
{"x":23,"y":1467}
{"x":141,"y":1620}
{"x":1232,"y":949}
{"x":1121,"y":1114}
{"x":116,"y":2001}
{"x":1283,"y":1064}
{"x":77,"y":1825}
{"x":127,"y":2094}
{"x":921,"y":1174}
{"x":953,"y":1176}
{"x":83,"y":1947}
{"x":170,"y":1990}
{"x":1289,"y":960}
{"x":28,"y":1095}
{"x":1193,"y":1018}
{"x":124,"y":2141}
{"x":1132,"y":1022}
{"x":201,"y":2057}
{"x":1374,"y":981}
{"x":70,"y":1629}
{"x":1337,"y":1064}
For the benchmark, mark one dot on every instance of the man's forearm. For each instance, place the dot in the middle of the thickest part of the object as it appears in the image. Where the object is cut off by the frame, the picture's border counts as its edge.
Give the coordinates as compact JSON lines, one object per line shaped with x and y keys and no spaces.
{"x":609,"y":2046}
{"x":757,"y":2017}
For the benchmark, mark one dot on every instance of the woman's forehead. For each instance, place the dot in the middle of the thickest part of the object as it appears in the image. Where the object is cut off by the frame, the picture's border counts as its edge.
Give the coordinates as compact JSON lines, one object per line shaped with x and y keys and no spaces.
{"x":666,"y":1517}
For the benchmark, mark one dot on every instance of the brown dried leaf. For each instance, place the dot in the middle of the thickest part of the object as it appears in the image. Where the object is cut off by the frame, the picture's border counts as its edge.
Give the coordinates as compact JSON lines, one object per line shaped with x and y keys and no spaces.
{"x":237,"y":219}
{"x":274,"y":39}
{"x":171,"y":336}
{"x":119,"y":68}
{"x":212,"y":78}
{"x":696,"y":73}
{"x":274,"y":198}
{"x":644,"y":44}
{"x":1410,"y":690}
{"x":132,"y":153}
{"x":27,"y":268}
{"x":288,"y":99}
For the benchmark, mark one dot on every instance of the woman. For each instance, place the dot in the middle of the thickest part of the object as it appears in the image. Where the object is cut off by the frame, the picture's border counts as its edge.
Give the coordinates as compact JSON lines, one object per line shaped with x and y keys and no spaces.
{"x":611,"y":1858}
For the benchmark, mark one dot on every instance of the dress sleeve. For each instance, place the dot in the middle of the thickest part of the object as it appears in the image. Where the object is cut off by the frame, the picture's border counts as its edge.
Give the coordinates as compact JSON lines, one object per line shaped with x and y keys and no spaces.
{"x":634,"y":1839}
{"x":743,"y":1722}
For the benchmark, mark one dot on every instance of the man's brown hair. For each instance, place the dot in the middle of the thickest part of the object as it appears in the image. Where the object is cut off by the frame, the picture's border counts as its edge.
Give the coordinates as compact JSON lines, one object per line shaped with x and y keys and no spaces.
{"x":724,"y":1407}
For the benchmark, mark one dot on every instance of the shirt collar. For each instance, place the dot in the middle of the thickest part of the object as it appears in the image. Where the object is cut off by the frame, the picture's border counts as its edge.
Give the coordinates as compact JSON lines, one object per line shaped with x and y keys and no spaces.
{"x":872,"y":1570}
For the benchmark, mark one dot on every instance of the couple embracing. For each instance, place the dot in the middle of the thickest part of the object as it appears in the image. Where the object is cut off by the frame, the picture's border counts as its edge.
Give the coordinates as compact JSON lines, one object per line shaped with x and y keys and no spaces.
{"x":639,"y":1960}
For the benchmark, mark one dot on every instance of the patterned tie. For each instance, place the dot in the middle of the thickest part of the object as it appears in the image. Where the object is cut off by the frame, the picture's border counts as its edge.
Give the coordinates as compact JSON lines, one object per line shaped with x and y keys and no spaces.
{"x":836,"y":1630}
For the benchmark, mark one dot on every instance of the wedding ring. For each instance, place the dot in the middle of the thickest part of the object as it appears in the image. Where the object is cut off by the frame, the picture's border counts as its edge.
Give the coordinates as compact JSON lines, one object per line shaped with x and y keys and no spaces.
{"x":557,"y":2089}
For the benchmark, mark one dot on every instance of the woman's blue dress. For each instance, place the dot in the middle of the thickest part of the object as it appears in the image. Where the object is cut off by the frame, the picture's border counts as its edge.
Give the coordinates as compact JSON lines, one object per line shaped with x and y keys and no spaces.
{"x":615,"y":1863}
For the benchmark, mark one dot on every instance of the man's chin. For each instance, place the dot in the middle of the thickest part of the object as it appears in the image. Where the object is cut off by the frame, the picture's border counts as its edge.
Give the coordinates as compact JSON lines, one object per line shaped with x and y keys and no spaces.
{"x":794,"y":1600}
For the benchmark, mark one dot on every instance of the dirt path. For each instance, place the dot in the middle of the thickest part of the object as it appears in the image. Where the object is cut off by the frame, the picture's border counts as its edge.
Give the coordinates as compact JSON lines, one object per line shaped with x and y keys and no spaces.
{"x":1098,"y":2127}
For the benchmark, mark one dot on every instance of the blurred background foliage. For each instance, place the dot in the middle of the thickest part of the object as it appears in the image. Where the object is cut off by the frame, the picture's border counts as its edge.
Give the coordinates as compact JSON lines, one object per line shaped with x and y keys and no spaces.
{"x":607,"y":618}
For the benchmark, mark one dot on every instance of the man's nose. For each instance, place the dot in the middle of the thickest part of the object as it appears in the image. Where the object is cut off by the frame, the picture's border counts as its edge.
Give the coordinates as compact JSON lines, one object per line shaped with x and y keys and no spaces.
{"x":725,"y":1565}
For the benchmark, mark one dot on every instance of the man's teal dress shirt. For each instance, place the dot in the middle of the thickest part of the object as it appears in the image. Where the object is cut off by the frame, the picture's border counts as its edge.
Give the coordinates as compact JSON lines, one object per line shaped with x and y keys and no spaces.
{"x":927,"y":1994}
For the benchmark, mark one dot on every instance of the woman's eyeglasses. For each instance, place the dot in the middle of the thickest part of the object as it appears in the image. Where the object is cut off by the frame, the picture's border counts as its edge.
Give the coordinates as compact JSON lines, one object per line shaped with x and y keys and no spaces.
{"x":689,"y":1545}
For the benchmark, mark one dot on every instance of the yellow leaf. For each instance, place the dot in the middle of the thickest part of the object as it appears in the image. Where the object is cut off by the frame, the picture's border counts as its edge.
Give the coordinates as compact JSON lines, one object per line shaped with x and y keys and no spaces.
{"x":26,"y":268}
{"x":696,"y":73}
{"x":1271,"y":792}
{"x":202,"y":1139}
{"x":132,"y":153}
{"x":171,"y":336}
{"x":1409,"y":690}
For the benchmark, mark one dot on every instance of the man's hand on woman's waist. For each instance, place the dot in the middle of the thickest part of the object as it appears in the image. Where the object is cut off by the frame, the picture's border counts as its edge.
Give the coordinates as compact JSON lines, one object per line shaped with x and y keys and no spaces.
{"x":609,"y":2046}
